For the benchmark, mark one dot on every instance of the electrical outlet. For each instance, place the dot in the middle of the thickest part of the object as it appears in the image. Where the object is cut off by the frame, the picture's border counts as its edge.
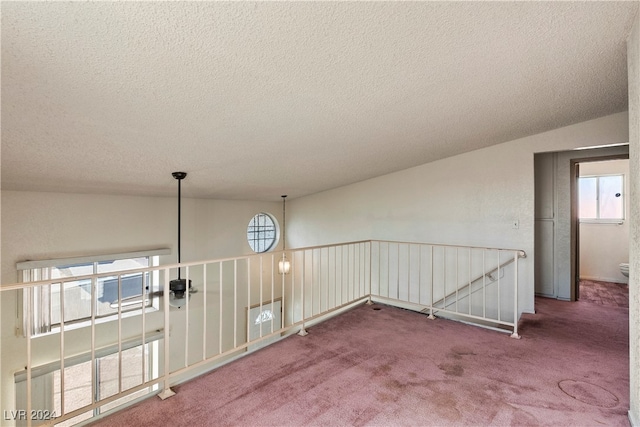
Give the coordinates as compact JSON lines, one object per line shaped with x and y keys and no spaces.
{"x":515,"y":224}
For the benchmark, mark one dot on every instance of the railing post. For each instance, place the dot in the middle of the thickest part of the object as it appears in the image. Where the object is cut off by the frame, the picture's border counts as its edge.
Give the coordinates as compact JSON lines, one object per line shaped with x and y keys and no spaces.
{"x":29,"y":296}
{"x":431,"y":316}
{"x":369,"y":302}
{"x":515,"y":297}
{"x":303,"y":332}
{"x":166,"y":392}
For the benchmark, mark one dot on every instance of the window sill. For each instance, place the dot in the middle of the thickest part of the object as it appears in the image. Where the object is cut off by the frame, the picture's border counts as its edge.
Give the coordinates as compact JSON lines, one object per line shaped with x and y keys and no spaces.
{"x":602,"y":221}
{"x":70,"y":326}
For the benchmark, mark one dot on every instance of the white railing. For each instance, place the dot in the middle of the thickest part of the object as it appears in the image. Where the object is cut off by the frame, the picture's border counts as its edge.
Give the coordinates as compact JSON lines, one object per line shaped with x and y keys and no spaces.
{"x":456,"y":281}
{"x":243,"y":303}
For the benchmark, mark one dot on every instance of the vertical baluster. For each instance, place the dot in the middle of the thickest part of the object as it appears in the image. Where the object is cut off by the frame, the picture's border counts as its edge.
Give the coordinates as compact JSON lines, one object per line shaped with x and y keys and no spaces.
{"x":272,"y":289}
{"x":302,"y":331}
{"x":457,"y":279}
{"x":469,"y":291}
{"x":398,"y":273}
{"x":409,"y":272}
{"x":282,"y":296}
{"x":235,"y":307}
{"x":361,"y":270}
{"x":515,"y":297}
{"x":186,"y":320}
{"x":204,"y":311}
{"x":484,"y":284}
{"x":29,"y":297}
{"x":62,"y":328}
{"x":419,"y":274}
{"x":335,"y":277}
{"x":94,"y":383}
{"x":431,"y":316}
{"x":235,"y":303}
{"x":370,"y":246}
{"x":248,"y":300}
{"x":120,"y":333}
{"x":167,"y":392}
{"x":261,"y":296}
{"x":328,"y":305}
{"x":444,"y":277}
{"x":499,"y":290}
{"x":293,"y":290}
{"x":145,"y":283}
{"x":321,"y":289}
{"x":388,"y":264}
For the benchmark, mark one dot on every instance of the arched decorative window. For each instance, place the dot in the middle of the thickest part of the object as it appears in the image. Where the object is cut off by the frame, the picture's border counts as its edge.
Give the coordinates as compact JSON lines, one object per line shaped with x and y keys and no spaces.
{"x":262,"y":232}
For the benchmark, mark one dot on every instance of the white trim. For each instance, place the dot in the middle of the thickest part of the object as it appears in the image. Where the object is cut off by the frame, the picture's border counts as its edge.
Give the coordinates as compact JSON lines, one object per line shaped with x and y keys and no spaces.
{"x":618,"y":221}
{"x":44,"y":263}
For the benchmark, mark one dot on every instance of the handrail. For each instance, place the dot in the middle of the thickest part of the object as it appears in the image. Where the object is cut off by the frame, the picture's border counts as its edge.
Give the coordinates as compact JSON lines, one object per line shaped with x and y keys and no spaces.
{"x":400,"y":281}
{"x":21,"y":285}
{"x":521,"y":254}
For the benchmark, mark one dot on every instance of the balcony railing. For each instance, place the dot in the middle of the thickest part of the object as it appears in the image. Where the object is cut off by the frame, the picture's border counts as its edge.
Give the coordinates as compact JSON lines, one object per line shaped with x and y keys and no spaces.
{"x":243,"y":303}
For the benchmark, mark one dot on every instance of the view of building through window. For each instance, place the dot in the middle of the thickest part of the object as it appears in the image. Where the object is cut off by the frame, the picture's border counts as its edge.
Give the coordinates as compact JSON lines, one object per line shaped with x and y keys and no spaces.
{"x":71,"y":300}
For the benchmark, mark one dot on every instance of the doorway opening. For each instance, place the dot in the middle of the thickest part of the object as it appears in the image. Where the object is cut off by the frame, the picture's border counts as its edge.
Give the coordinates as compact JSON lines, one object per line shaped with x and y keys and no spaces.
{"x":600,"y":213}
{"x":557,"y":254}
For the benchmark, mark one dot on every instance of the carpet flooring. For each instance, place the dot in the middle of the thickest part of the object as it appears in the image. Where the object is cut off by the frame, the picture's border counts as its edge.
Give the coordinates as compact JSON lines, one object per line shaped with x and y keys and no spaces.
{"x":605,"y":293}
{"x":383,"y":366}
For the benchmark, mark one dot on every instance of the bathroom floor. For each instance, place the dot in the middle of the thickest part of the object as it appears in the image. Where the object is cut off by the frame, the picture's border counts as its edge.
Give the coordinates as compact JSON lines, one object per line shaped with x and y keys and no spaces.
{"x":604,"y":293}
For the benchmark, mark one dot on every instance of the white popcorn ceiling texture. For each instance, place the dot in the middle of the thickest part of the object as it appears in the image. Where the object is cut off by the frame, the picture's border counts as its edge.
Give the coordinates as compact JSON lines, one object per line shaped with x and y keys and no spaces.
{"x":255,"y":100}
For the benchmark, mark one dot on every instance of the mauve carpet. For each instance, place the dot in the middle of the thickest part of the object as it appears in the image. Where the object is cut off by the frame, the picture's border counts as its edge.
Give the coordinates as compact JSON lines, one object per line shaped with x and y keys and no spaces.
{"x":380,"y":365}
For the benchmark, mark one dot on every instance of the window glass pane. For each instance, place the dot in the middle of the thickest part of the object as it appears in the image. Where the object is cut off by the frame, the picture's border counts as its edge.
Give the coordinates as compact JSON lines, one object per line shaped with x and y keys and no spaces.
{"x":587,"y":196}
{"x":77,"y":294}
{"x":77,"y":301}
{"x":77,"y":387}
{"x":131,"y":291}
{"x":261,"y":232}
{"x":123,"y":264}
{"x":71,"y":270}
{"x":132,"y":375}
{"x":611,"y":206}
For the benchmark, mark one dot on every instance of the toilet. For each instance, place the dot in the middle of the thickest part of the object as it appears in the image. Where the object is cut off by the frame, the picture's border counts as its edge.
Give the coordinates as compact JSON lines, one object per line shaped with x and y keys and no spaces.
{"x":624,"y":269}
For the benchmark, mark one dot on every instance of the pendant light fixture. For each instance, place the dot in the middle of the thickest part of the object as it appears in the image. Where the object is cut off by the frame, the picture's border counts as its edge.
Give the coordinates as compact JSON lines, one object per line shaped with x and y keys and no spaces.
{"x":179,"y":289}
{"x":284,"y":266}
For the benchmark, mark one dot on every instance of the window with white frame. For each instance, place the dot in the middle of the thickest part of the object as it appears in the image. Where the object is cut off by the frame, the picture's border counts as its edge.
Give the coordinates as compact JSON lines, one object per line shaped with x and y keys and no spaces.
{"x":83,"y":384}
{"x":261,"y":232}
{"x":71,"y":300}
{"x":601,"y":198}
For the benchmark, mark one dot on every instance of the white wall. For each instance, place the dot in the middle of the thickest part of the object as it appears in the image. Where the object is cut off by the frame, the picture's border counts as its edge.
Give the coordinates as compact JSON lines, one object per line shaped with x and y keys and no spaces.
{"x":633,"y":55}
{"x":54,"y":225}
{"x":604,"y":246}
{"x":470,"y":199}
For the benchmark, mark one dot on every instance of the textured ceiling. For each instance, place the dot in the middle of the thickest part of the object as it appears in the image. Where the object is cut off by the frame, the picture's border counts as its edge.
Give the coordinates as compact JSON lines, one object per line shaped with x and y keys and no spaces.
{"x":255,"y":100}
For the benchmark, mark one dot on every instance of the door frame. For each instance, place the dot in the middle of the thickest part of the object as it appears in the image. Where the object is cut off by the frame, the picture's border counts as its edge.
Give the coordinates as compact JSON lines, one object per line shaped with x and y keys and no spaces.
{"x":575,"y":221}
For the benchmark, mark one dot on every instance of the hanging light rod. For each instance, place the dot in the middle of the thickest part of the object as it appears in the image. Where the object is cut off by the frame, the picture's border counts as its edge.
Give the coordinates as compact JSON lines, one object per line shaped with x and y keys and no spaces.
{"x":284,"y":265}
{"x":179,"y":286}
{"x":284,"y":197}
{"x":179,"y":176}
